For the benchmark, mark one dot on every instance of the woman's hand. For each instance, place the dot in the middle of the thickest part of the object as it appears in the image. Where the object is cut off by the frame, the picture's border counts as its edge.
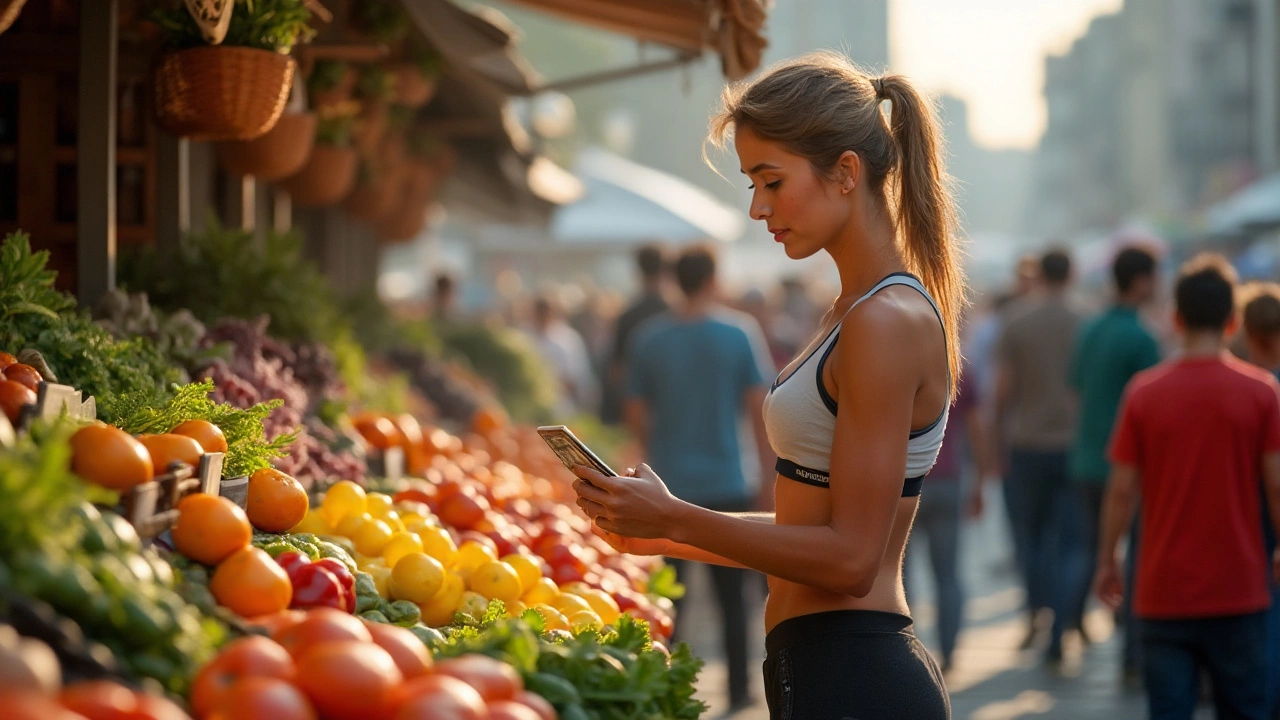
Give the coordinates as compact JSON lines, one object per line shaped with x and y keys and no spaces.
{"x":637,"y":505}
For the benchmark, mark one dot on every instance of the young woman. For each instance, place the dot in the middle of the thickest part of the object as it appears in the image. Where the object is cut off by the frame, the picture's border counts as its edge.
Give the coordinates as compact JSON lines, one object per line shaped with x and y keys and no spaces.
{"x":857,"y":419}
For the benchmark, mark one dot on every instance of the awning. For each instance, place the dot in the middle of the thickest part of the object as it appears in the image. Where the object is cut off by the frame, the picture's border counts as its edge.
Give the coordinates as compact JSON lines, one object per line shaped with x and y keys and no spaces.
{"x":1255,"y":207}
{"x":627,"y":203}
{"x":481,"y":43}
{"x":732,"y":28}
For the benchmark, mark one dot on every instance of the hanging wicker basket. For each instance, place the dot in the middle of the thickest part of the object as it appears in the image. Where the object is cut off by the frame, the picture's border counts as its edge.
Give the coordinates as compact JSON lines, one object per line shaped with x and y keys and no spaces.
{"x":9,"y":10}
{"x":221,"y":93}
{"x":370,"y":127}
{"x":327,"y":178}
{"x":278,"y":154}
{"x":404,"y":223}
{"x":377,"y":197}
{"x":413,"y":89}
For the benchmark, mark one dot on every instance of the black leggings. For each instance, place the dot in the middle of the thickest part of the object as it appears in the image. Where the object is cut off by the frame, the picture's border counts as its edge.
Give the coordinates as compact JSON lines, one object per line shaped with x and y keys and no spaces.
{"x":851,"y":665}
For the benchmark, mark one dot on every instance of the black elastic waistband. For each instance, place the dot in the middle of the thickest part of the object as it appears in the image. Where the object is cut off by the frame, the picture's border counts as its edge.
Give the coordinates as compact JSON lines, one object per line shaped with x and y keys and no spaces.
{"x":844,"y":622}
{"x":800,"y":473}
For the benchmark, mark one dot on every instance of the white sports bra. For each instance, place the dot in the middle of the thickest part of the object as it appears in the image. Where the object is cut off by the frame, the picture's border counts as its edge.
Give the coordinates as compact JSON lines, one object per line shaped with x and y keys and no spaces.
{"x":800,"y":415}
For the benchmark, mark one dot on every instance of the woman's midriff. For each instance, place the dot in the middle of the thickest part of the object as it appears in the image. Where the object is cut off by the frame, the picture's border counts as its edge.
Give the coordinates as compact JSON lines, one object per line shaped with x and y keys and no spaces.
{"x":800,"y":504}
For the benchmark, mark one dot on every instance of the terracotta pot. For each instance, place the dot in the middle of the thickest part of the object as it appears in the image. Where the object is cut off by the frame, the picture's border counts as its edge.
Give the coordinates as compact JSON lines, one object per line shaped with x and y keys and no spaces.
{"x":220,"y":92}
{"x":327,"y":178}
{"x":278,"y":154}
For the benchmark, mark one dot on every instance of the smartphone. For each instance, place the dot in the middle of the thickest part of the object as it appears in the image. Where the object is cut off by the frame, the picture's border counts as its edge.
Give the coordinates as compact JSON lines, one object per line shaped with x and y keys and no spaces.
{"x":572,"y":451}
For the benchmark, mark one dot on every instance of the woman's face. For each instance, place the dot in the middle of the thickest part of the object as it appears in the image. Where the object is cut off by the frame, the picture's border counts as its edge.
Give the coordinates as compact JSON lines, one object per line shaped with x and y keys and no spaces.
{"x":804,"y":211}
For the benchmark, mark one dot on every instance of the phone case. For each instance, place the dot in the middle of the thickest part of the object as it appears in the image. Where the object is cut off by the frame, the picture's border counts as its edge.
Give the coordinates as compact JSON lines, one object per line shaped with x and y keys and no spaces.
{"x":572,"y":451}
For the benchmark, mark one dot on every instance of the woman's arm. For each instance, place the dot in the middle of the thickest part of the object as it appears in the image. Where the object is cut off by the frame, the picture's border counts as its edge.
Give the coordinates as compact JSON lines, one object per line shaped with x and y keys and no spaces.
{"x":878,"y":365}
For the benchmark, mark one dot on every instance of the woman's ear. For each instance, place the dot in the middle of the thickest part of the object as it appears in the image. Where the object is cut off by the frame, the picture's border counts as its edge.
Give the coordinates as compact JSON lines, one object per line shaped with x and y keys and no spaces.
{"x":848,"y":171}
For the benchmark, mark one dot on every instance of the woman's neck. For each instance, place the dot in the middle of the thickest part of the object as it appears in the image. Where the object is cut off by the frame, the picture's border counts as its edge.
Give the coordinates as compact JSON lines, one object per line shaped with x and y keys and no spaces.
{"x":864,"y":254}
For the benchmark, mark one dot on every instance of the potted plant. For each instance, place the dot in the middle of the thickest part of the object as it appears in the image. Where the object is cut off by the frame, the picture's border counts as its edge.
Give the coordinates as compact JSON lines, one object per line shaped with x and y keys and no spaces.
{"x":416,"y":75}
{"x":381,"y":180}
{"x":278,"y":154}
{"x":330,"y":171}
{"x":232,"y":84}
{"x":375,"y":87}
{"x":330,"y":82}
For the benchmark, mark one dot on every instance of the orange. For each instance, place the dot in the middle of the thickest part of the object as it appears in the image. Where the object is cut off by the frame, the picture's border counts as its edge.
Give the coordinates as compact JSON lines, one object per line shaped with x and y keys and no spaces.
{"x":108,"y":456}
{"x":204,"y":432}
{"x":349,"y":680}
{"x":252,"y":655}
{"x":264,"y":698}
{"x":250,"y":583}
{"x":276,"y":502}
{"x":168,"y":448}
{"x":210,"y":528}
{"x":496,"y":581}
{"x":322,"y":625}
{"x":411,"y":656}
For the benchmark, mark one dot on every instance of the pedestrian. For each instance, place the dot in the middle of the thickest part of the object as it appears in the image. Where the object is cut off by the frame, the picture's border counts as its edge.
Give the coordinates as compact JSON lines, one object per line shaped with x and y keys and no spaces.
{"x":696,"y":373}
{"x":953,"y":494}
{"x":857,"y":419}
{"x":652,"y":265}
{"x":1261,"y":303}
{"x":565,"y":353}
{"x":1109,"y":351}
{"x":1194,"y":436}
{"x":1034,"y":417}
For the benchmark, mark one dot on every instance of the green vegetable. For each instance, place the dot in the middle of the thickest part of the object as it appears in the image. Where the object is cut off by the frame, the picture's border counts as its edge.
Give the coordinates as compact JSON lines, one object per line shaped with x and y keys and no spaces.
{"x":429,"y":636}
{"x":375,"y":616}
{"x":663,"y":583}
{"x":367,"y":597}
{"x":248,"y":448}
{"x":330,"y":550}
{"x":404,"y":613}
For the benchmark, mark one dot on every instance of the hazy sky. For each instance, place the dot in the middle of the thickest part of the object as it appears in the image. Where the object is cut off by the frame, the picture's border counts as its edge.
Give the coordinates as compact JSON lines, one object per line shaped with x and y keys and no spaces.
{"x":989,"y":52}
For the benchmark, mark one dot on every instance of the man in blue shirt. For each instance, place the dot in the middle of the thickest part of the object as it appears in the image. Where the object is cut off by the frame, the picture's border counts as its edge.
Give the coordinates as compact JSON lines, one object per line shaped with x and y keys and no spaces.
{"x":696,"y":375}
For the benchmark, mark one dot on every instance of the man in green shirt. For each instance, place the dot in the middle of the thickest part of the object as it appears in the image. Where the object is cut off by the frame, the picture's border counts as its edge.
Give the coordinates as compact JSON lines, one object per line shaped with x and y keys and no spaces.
{"x":1109,"y":350}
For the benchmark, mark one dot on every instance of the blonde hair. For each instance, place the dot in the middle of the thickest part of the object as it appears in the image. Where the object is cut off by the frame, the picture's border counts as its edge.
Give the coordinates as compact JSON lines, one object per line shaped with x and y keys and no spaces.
{"x":818,"y":106}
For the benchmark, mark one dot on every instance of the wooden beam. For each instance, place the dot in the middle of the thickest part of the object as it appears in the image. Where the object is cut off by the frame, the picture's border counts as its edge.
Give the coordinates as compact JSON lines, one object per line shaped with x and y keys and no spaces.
{"x":96,"y":159}
{"x":173,"y":190}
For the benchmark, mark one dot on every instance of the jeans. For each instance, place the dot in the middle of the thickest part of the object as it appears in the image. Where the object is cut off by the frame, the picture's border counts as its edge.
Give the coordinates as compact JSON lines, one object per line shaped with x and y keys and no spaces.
{"x":1233,"y":651}
{"x":1082,"y":513}
{"x":1036,"y":491}
{"x":938,"y":519}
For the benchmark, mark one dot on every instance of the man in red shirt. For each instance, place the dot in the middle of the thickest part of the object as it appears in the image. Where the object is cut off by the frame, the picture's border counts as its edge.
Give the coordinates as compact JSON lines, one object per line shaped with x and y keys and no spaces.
{"x":1195,"y":434}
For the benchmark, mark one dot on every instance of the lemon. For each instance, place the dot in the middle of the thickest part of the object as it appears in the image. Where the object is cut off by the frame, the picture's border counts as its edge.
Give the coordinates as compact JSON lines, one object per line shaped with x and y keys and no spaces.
{"x":603,"y":604}
{"x":379,"y":504}
{"x":515,"y":608}
{"x":473,"y":604}
{"x":439,"y":610}
{"x":313,"y":522}
{"x":437,"y":542}
{"x":496,"y":581}
{"x":371,"y":537}
{"x":417,"y":578}
{"x":544,"y":590}
{"x":586,"y":618}
{"x":472,"y":555}
{"x":400,"y":544}
{"x":343,"y":499}
{"x":349,"y":525}
{"x":381,"y":575}
{"x":526,"y":566}
{"x":568,"y":603}
{"x":552,"y":618}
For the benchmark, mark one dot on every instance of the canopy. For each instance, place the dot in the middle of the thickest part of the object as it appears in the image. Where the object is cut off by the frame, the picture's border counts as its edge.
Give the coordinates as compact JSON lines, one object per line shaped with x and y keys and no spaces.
{"x":1256,"y":206}
{"x":628,"y":203}
{"x":732,"y":28}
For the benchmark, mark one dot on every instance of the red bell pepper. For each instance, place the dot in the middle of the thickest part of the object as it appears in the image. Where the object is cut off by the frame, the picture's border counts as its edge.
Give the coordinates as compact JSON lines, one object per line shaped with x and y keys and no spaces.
{"x":291,"y":561}
{"x":315,"y":586}
{"x":344,"y":576}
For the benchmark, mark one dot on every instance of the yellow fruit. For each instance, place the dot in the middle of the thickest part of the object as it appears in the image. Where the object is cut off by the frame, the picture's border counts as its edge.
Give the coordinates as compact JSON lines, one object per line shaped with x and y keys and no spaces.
{"x":544,"y":590}
{"x":473,"y":604}
{"x":381,"y":575}
{"x":343,"y":499}
{"x":313,"y":522}
{"x":364,"y":563}
{"x":576,"y":588}
{"x":401,"y":544}
{"x":472,"y":555}
{"x":379,"y":505}
{"x":439,"y":610}
{"x":417,"y":578}
{"x":438,"y":543}
{"x":496,"y":581}
{"x":372,"y":537}
{"x":515,"y":608}
{"x":410,"y":518}
{"x":602,"y":603}
{"x":585,"y":618}
{"x":395,"y":523}
{"x":568,"y":603}
{"x":526,"y":567}
{"x":552,"y":618}
{"x":349,"y":525}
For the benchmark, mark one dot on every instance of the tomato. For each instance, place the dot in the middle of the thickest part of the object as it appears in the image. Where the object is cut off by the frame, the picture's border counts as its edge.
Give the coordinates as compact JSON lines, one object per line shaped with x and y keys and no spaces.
{"x":108,"y":456}
{"x":27,"y":704}
{"x":410,"y":655}
{"x":349,"y":680}
{"x":106,"y":700}
{"x":322,"y":625}
{"x":168,"y":448}
{"x":24,"y":375}
{"x":276,"y":501}
{"x":251,"y":656}
{"x":421,"y":492}
{"x":273,"y":623}
{"x":155,"y":707}
{"x":440,"y":697}
{"x":493,"y":679}
{"x":538,"y":704}
{"x":265,"y":698}
{"x":251,"y":583}
{"x":204,"y":432}
{"x":462,"y":510}
{"x":6,"y":360}
{"x":511,"y":710}
{"x":210,"y":528}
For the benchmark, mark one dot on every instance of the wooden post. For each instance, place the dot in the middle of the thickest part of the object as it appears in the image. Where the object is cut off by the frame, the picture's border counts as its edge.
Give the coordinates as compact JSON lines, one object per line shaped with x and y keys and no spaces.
{"x":173,"y":190}
{"x":96,"y":155}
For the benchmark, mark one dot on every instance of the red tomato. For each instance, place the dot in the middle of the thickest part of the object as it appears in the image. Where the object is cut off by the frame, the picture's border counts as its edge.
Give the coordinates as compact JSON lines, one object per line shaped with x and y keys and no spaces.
{"x":320,"y":626}
{"x":405,"y":648}
{"x":538,"y":704}
{"x":22,"y":704}
{"x":511,"y":710}
{"x":106,"y":700}
{"x":265,"y":698}
{"x":252,"y":656}
{"x":440,"y":697}
{"x":349,"y":680}
{"x":493,"y":679}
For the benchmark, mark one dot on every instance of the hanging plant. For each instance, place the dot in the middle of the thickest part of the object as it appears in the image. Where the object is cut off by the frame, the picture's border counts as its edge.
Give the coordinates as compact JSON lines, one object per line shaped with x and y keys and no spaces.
{"x":375,"y":83}
{"x":335,"y":124}
{"x":330,"y":171}
{"x":383,"y":21}
{"x":275,"y":25}
{"x":330,"y":83}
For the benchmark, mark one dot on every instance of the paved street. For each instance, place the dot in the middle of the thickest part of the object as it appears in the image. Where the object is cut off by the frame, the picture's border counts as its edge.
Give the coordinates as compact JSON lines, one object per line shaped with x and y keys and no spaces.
{"x":992,"y":679}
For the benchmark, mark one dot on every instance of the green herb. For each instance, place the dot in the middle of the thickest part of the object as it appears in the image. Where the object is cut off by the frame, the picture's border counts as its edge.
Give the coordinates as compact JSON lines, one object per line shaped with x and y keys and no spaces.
{"x":326,"y":75}
{"x":335,"y":124}
{"x":275,"y":25}
{"x":248,"y":448}
{"x":663,"y":583}
{"x":383,"y":20}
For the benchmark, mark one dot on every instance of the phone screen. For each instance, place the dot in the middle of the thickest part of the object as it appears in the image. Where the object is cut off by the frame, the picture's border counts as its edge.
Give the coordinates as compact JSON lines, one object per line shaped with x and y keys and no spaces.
{"x":571,"y":451}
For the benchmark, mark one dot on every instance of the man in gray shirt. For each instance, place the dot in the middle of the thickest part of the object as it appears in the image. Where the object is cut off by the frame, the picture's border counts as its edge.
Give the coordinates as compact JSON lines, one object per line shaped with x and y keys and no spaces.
{"x":1035,"y":417}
